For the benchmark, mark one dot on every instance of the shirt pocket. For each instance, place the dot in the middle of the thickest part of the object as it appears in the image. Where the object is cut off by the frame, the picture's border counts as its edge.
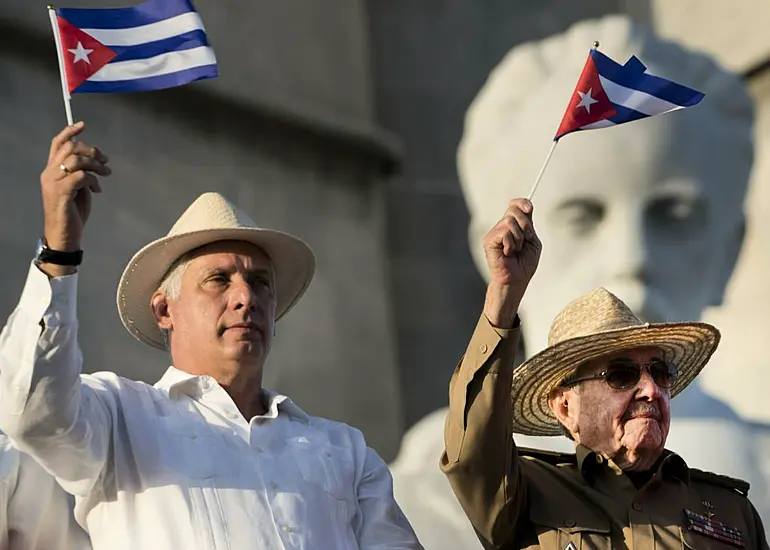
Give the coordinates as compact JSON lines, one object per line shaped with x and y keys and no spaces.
{"x":570,"y":532}
{"x":186,"y":446}
{"x":323,"y":465}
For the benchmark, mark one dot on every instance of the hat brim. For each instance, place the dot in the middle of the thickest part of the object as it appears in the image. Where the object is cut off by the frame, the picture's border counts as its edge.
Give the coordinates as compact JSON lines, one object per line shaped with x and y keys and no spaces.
{"x":688,"y":345}
{"x":293,"y":263}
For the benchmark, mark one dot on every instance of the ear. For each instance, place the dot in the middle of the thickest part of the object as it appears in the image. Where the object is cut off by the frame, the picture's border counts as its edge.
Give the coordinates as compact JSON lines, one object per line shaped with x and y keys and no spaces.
{"x":160,"y":310}
{"x":733,"y":243}
{"x":565,"y":406}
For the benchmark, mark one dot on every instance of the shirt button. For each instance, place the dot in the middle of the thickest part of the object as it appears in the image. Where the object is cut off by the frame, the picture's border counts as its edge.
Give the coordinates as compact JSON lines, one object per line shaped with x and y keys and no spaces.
{"x":287,"y":528}
{"x":232,"y":415}
{"x":637,"y":506}
{"x":569,"y":523}
{"x":273,"y":485}
{"x":483,"y":348}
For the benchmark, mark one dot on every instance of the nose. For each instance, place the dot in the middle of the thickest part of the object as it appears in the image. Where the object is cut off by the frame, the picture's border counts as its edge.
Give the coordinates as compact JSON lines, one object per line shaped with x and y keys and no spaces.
{"x":626,"y":246}
{"x":647,"y":389}
{"x":242,"y":296}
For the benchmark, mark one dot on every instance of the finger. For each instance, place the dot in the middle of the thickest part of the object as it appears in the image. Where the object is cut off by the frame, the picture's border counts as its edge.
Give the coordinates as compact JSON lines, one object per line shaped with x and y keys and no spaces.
{"x":76,"y":163}
{"x":524,"y":205}
{"x":63,"y":137}
{"x":509,"y":244}
{"x":85,"y":150}
{"x":511,"y":226}
{"x":91,"y":182}
{"x":524,"y":221}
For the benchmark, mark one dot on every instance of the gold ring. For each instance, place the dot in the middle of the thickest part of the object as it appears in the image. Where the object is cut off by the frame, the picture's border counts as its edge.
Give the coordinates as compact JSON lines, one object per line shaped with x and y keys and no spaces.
{"x":64,"y":169}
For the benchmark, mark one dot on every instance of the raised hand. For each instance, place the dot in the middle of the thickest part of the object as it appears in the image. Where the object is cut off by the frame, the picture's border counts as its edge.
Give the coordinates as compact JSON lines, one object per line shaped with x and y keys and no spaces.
{"x":512,"y":249}
{"x":66,"y":184}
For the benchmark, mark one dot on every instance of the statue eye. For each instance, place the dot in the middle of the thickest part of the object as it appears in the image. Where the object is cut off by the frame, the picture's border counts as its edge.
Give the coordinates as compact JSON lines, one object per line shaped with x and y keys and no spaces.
{"x":581,"y":216}
{"x":680,"y":211}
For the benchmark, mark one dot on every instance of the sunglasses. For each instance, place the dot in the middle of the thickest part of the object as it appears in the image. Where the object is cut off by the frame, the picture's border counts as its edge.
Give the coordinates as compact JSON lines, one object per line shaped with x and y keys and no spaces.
{"x":623,"y":374}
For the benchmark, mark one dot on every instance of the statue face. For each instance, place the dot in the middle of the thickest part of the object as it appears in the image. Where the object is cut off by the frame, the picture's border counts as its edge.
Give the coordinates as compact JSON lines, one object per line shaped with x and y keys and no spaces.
{"x":639,"y":212}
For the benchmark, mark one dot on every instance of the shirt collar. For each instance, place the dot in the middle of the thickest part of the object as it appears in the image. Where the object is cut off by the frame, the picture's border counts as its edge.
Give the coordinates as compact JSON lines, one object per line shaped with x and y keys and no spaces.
{"x":177,"y":383}
{"x":670,"y":464}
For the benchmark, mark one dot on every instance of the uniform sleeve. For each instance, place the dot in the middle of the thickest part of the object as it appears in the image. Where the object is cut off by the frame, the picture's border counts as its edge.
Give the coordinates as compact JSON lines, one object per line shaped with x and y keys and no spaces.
{"x":480,"y":458}
{"x":45,"y":408}
{"x":382,"y":525}
{"x":760,"y":532}
{"x":40,"y":513}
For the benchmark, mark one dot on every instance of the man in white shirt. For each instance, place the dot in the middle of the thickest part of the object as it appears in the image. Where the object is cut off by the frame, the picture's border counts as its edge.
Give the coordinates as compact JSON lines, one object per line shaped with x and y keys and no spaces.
{"x":35,"y":514}
{"x":206,"y":458}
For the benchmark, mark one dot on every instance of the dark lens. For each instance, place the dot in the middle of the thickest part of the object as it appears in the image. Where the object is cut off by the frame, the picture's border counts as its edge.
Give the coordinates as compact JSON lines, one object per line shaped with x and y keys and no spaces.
{"x":622,"y":375}
{"x":662,"y":373}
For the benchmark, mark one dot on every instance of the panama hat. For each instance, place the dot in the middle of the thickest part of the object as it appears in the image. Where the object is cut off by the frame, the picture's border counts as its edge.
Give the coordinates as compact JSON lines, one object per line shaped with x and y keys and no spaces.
{"x":592,"y":326}
{"x":209,"y":219}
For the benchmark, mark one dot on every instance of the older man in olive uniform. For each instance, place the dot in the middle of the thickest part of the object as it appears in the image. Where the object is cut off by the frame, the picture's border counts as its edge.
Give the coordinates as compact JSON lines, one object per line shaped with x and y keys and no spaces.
{"x":606,"y":380}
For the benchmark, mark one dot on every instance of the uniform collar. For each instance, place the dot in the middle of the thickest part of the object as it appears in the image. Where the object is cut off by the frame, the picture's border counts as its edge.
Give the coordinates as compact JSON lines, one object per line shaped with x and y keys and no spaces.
{"x":670,"y":465}
{"x":180,"y":383}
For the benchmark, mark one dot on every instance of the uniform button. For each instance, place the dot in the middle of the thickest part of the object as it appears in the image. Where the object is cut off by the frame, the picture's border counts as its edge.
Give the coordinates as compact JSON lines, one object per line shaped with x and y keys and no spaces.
{"x":599,"y":459}
{"x":569,"y":523}
{"x":483,"y":348}
{"x":638,"y":507}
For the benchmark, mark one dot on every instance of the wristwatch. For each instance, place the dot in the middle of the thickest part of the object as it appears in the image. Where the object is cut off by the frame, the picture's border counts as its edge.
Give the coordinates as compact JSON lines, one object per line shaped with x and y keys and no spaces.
{"x":46,"y":255}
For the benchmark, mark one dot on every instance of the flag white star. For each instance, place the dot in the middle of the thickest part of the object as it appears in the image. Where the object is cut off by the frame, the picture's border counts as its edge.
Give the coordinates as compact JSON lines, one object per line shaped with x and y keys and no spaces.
{"x":586,"y":100}
{"x":81,"y":53}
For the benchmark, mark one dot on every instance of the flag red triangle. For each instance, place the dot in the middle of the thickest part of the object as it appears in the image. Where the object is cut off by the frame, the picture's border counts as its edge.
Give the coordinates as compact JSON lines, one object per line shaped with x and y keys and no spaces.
{"x":589,"y":102}
{"x":83,"y":54}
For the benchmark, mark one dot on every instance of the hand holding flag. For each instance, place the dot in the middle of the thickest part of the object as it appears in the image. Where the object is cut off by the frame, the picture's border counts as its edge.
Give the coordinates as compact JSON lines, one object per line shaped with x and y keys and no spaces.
{"x":608,"y":94}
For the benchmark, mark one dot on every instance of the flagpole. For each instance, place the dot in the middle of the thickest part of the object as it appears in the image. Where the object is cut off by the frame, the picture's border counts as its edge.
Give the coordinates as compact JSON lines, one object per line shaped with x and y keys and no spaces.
{"x":542,"y":169}
{"x":550,"y":152}
{"x":62,"y":72}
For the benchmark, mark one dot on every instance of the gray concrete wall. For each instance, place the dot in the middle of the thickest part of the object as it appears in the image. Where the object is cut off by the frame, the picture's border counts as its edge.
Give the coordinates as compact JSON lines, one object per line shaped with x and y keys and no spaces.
{"x":321,"y":180}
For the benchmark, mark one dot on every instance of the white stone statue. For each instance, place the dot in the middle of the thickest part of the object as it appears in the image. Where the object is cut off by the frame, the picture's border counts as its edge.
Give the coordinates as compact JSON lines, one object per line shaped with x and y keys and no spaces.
{"x":651,"y":210}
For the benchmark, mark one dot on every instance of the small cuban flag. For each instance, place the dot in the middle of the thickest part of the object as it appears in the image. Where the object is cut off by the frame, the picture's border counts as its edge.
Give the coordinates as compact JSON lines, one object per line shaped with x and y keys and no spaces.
{"x":157,"y":44}
{"x":608,"y":94}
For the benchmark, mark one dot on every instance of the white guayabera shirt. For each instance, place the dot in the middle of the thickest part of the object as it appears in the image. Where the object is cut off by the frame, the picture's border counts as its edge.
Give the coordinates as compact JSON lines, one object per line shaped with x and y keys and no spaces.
{"x":175,"y":465}
{"x":35,"y":514}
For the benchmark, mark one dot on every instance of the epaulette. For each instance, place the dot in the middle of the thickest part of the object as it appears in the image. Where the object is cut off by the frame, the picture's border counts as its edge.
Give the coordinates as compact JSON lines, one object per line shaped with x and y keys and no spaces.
{"x":737,"y":485}
{"x":551,"y":457}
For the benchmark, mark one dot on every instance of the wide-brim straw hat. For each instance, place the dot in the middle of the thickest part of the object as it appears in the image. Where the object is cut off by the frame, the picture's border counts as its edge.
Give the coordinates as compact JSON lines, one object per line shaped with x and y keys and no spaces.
{"x":211,"y":218}
{"x":592,"y":326}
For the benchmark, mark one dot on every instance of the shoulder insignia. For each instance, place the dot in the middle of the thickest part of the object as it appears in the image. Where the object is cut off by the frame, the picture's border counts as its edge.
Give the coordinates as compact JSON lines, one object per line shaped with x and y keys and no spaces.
{"x":551,"y":457}
{"x":737,"y":485}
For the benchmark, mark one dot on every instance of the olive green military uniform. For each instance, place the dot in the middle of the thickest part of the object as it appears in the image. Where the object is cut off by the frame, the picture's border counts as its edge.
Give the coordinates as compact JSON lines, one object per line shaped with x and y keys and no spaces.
{"x":517,"y":498}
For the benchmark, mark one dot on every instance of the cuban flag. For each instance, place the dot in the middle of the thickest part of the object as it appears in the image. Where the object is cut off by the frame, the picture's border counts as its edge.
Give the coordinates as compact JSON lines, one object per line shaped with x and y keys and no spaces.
{"x":608,"y":94}
{"x":157,"y":44}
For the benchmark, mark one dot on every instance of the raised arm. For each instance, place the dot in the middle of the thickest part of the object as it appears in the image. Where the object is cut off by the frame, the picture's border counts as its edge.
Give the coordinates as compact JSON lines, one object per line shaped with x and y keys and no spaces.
{"x":45,"y":408}
{"x":480,"y":456}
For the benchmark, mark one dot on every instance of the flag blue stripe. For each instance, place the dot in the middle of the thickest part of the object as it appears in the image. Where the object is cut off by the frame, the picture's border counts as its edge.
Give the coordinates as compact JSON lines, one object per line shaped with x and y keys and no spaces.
{"x":148,"y":84}
{"x":624,"y":114}
{"x":186,"y":41}
{"x":645,"y":82}
{"x":146,"y":13}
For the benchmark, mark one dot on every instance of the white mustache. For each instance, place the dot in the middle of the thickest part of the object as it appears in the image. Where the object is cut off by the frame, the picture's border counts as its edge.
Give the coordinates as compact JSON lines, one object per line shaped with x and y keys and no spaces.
{"x":642,"y":409}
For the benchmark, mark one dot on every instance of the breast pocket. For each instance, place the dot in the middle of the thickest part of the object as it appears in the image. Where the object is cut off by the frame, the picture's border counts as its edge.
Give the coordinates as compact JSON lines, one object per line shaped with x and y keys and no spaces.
{"x":323,"y":465}
{"x":186,"y":446}
{"x":568,"y":533}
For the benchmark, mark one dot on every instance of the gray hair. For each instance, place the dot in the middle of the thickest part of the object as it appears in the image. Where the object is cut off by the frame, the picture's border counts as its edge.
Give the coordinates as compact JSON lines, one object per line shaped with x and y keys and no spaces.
{"x":171,"y":284}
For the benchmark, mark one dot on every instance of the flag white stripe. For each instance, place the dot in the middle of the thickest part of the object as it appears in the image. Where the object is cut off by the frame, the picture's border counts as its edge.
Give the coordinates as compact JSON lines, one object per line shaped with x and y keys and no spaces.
{"x":600,"y":124}
{"x":148,"y":33}
{"x":154,"y":66}
{"x":634,"y":99}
